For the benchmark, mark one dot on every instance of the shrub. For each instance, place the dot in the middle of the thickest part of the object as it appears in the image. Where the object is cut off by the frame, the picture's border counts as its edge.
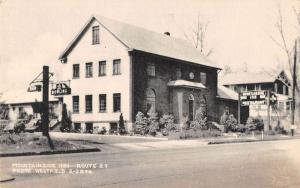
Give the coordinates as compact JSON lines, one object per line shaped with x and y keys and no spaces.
{"x":254,"y":124}
{"x":189,"y":134}
{"x":229,"y":122}
{"x":141,"y":124}
{"x":153,"y":125}
{"x":167,"y":124}
{"x":200,"y":122}
{"x":122,"y":129}
{"x":66,"y":122}
{"x":103,"y":131}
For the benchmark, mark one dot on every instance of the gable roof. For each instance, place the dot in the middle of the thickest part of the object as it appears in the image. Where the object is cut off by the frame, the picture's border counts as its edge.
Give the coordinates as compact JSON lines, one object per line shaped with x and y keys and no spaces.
{"x":226,"y":93}
{"x":250,"y":78}
{"x":137,"y":38}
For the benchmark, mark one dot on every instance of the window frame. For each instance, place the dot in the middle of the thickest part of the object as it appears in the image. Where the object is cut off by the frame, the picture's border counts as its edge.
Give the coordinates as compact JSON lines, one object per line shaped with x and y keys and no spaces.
{"x":151,"y":69}
{"x":100,"y":64}
{"x":95,"y":35}
{"x":117,"y":63}
{"x":115,"y":106}
{"x":73,"y":104}
{"x":73,"y":73}
{"x":105,"y":103}
{"x":203,"y":75}
{"x":86,"y":104}
{"x":86,"y":70}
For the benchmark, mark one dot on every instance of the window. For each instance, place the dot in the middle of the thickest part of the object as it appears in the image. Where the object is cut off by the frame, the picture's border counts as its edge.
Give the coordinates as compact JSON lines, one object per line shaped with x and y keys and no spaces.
{"x":276,"y":88}
{"x":287,"y":90}
{"x":250,"y":87}
{"x":178,"y":73}
{"x":150,"y":100}
{"x":151,"y":69}
{"x":89,"y":70}
{"x":75,"y":104}
{"x":88,"y":103}
{"x":257,"y":87}
{"x":117,"y":102}
{"x":116,"y":67}
{"x":203,"y":78}
{"x":102,"y":68}
{"x":102,"y":102}
{"x":95,"y":30}
{"x":77,"y":126}
{"x":76,"y":71}
{"x":283,"y":89}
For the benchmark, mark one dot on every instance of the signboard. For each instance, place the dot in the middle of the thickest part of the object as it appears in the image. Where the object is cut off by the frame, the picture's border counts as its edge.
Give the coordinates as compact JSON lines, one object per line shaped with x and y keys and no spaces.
{"x":34,"y":88}
{"x":253,"y":98}
{"x":273,"y":98}
{"x":61,"y":89}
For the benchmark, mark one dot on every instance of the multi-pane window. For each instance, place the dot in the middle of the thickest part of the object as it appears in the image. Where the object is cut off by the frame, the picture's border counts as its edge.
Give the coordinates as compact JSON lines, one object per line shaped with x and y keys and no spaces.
{"x":75,"y":104}
{"x":178,"y":73}
{"x":117,"y":102}
{"x":102,"y":102}
{"x":95,"y":36}
{"x":102,"y":68}
{"x":89,"y":70}
{"x":76,"y":71}
{"x":203,"y":78}
{"x":151,"y":69}
{"x":116,"y":66}
{"x":88,"y":103}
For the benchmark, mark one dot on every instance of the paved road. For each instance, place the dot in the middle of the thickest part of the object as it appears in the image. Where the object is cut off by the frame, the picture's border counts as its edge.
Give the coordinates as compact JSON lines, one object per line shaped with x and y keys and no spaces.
{"x":260,"y":164}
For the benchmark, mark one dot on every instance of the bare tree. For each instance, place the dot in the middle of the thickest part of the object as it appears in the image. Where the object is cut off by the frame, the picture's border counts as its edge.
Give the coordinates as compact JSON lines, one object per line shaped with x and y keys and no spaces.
{"x":288,"y":48}
{"x":197,"y":35}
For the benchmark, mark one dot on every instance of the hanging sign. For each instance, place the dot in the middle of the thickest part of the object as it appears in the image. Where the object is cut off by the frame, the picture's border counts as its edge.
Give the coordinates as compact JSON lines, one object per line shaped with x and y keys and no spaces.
{"x":61,"y":89}
{"x":253,"y":98}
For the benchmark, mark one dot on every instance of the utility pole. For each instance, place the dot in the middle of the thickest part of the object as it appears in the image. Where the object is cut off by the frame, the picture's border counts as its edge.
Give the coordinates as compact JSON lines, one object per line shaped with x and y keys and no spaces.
{"x":45,"y":112}
{"x":266,"y":127}
{"x":294,"y":84}
{"x":239,"y":108}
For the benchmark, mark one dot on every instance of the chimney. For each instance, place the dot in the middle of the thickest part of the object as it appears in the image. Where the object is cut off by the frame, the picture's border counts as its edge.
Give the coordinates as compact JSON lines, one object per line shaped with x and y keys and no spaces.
{"x":167,"y":33}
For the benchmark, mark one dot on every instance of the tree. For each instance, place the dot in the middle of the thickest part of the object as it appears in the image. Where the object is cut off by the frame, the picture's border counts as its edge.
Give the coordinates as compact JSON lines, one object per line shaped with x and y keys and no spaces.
{"x":288,"y":48}
{"x":122,"y":130}
{"x":65,"y":120}
{"x":197,"y":35}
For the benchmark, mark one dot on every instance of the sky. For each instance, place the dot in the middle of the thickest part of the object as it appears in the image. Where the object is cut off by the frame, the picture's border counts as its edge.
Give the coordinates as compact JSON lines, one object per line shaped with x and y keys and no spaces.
{"x":33,"y":33}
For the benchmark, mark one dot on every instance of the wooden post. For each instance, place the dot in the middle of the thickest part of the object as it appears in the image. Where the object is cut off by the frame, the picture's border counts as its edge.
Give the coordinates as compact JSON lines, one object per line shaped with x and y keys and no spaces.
{"x":266,"y":127}
{"x":45,"y":112}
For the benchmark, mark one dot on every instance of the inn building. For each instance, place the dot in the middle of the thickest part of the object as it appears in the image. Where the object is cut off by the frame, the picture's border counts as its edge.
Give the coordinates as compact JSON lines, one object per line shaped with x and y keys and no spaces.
{"x":119,"y":68}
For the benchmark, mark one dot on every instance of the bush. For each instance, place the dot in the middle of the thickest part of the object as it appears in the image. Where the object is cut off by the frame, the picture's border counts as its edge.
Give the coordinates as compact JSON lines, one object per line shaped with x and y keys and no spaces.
{"x":122,"y":129}
{"x":66,"y":122}
{"x":167,"y":124}
{"x":103,"y":131}
{"x":254,"y":124}
{"x":189,"y":134}
{"x":200,"y":122}
{"x":153,"y":125}
{"x":229,"y":122}
{"x":141,"y":125}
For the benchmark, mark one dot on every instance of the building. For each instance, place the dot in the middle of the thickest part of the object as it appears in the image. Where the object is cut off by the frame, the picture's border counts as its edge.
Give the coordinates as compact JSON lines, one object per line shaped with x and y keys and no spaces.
{"x":119,"y":68}
{"x":277,"y":83}
{"x":19,"y":103}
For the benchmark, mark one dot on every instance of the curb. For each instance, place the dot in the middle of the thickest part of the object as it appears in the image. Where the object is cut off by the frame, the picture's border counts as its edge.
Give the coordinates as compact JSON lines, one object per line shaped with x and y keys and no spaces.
{"x":49,"y":152}
{"x":5,"y":178}
{"x":243,"y":141}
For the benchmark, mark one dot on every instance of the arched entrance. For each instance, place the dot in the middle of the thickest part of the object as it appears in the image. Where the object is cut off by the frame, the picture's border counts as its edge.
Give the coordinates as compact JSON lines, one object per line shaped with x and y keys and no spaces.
{"x":150,"y":100}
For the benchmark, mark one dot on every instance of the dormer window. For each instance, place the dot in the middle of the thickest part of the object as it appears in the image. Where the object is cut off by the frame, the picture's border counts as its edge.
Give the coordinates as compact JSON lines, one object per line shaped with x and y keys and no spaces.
{"x":95,"y":36}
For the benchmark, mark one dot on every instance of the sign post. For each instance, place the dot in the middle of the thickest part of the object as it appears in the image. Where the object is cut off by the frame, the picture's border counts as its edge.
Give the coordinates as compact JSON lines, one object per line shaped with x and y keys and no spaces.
{"x":266,"y":127}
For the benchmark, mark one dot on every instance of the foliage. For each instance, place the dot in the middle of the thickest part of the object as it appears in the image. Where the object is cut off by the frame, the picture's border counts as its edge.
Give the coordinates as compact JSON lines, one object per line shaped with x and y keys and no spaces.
{"x":229,"y":122}
{"x":191,"y":133}
{"x":122,"y":129}
{"x":141,"y":124}
{"x":167,"y":124}
{"x":153,"y":125}
{"x":65,"y":120}
{"x":254,"y":124}
{"x":103,"y":130}
{"x":200,"y":121}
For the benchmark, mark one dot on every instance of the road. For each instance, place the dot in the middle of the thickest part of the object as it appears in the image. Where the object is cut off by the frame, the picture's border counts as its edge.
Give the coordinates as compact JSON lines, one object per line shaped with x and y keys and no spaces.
{"x":259,"y":164}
